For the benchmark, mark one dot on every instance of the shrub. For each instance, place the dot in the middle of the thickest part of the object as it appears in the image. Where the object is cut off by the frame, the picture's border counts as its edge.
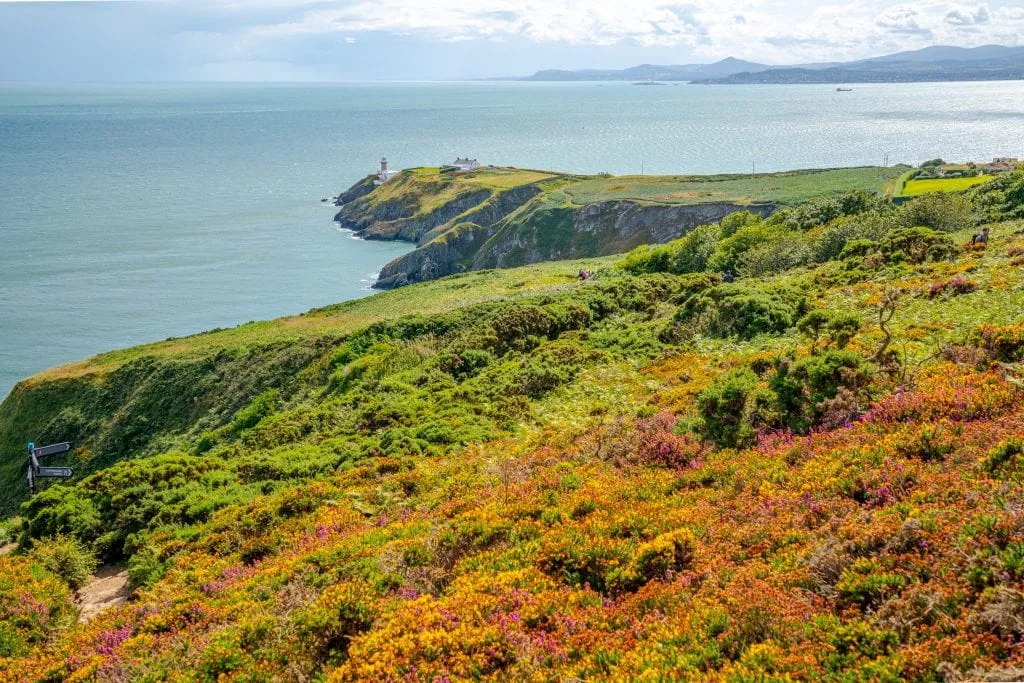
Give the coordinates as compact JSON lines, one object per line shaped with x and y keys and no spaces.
{"x":953,"y":287}
{"x":728,"y":252}
{"x":942,"y":211}
{"x":67,"y":557}
{"x":34,"y":607}
{"x":260,"y":407}
{"x":828,"y":242}
{"x":858,"y":249}
{"x":551,"y":367}
{"x":812,"y":325}
{"x":866,"y":585}
{"x":649,"y":259}
{"x":737,"y":310}
{"x":841,"y":328}
{"x":688,"y":254}
{"x":775,"y":256}
{"x":1000,"y":611}
{"x":735,"y":222}
{"x":145,"y":568}
{"x":804,"y":389}
{"x":342,"y":611}
{"x":692,"y":253}
{"x":659,"y":557}
{"x":822,"y":210}
{"x":916,"y":245}
{"x":1004,"y":453}
{"x":1002,"y":342}
{"x":730,"y":408}
{"x":1002,"y":198}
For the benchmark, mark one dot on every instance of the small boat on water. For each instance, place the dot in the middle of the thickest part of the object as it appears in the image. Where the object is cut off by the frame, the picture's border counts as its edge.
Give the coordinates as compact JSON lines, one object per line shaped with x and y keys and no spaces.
{"x":844,"y":89}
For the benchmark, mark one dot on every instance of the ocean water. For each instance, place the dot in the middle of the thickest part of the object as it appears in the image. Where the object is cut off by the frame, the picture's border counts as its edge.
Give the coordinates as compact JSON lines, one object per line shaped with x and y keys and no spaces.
{"x":130,"y":214}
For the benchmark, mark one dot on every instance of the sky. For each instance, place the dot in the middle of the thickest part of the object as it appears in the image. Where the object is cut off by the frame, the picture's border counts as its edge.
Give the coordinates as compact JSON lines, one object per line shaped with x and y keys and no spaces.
{"x":366,"y":40}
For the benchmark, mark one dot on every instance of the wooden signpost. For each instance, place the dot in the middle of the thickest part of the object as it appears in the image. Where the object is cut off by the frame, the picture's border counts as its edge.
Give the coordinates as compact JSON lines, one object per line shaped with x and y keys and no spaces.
{"x":35,"y":470}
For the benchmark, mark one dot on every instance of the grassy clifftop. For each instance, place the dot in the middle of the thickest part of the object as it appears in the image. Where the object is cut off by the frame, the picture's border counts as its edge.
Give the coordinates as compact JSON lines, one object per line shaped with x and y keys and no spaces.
{"x":811,"y":473}
{"x":505,"y":217}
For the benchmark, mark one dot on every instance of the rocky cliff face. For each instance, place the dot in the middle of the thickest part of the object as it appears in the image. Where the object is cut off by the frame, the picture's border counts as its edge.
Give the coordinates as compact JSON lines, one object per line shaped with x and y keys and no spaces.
{"x":393,"y":220}
{"x":449,"y":248}
{"x":546,"y":234}
{"x":596,"y":230}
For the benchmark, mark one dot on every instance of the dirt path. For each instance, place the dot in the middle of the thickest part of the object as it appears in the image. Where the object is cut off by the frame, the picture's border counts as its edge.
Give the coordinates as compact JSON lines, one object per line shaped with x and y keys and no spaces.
{"x":8,"y":549}
{"x":107,"y":589}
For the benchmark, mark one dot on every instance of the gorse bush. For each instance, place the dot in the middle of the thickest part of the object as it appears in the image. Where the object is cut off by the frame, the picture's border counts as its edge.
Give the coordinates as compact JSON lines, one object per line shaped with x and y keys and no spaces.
{"x":732,"y":407}
{"x":261,"y":406}
{"x":729,"y":251}
{"x":824,"y":210}
{"x":35,"y":605}
{"x":1001,"y":198}
{"x":67,"y":557}
{"x":916,"y":245}
{"x":942,"y":211}
{"x":744,"y":312}
{"x":804,"y":388}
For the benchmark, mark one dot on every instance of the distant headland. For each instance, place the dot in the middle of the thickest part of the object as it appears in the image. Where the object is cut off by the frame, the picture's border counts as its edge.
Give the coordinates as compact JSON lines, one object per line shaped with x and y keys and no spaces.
{"x":937,"y":63}
{"x":467,"y":216}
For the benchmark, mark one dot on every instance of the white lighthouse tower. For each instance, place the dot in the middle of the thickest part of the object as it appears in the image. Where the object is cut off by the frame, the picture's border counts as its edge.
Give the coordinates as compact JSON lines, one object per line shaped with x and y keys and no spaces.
{"x":384,"y":175}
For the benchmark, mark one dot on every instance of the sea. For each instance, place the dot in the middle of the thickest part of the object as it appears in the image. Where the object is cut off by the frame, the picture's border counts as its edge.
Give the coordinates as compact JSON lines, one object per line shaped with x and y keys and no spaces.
{"x":134,"y":213}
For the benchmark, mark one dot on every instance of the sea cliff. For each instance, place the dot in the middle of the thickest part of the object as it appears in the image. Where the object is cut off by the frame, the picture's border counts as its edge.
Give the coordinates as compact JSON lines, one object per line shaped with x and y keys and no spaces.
{"x":507,"y":217}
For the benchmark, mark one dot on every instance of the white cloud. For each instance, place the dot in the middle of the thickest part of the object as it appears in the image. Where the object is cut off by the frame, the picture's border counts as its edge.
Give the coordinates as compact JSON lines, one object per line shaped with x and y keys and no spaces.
{"x":966,"y":16}
{"x":773,"y":30}
{"x":903,"y":19}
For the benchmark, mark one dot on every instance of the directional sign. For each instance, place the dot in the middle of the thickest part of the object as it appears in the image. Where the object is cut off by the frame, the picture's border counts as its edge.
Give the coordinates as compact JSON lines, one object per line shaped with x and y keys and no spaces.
{"x":51,"y":450}
{"x":54,"y":472}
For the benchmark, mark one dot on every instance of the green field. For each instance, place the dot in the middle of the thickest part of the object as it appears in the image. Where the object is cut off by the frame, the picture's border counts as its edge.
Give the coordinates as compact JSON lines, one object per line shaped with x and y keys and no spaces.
{"x":768,"y":188}
{"x":916,"y":188}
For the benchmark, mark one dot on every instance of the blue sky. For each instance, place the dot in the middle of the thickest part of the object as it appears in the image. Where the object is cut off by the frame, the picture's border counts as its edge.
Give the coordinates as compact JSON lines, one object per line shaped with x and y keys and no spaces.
{"x":331,"y":40}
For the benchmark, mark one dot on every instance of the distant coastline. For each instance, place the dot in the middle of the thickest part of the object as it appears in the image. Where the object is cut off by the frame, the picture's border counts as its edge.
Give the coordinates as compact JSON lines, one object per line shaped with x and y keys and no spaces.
{"x":934,"y":64}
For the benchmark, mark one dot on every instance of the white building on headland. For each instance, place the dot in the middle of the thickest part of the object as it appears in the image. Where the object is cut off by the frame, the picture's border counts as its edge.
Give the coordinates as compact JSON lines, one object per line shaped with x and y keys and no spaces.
{"x":466,"y":165}
{"x":384,"y":175}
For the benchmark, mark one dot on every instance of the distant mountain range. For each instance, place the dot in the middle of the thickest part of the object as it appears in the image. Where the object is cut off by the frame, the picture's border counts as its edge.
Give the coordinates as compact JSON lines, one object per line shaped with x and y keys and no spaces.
{"x":937,"y":63}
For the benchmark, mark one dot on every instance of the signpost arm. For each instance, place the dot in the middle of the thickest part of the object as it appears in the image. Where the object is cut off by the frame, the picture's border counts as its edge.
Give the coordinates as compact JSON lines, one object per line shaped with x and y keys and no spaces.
{"x":32,"y":464}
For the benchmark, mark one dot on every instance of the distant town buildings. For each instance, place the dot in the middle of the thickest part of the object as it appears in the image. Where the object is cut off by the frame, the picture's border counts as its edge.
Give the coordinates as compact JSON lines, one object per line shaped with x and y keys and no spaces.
{"x":1001,"y":165}
{"x":384,"y":175}
{"x":996,"y":166}
{"x":466,"y":165}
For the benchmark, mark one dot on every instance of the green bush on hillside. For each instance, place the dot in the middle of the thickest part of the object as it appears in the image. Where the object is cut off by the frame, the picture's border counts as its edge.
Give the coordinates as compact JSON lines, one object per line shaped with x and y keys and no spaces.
{"x":942,"y":211}
{"x":737,"y":221}
{"x":916,"y":245}
{"x":688,"y":254}
{"x":67,"y":557}
{"x":729,"y":251}
{"x":1002,"y":198}
{"x":736,"y":310}
{"x":823,"y":210}
{"x":731,"y":409}
{"x":802,"y":389}
{"x":774,"y":256}
{"x":259,"y":408}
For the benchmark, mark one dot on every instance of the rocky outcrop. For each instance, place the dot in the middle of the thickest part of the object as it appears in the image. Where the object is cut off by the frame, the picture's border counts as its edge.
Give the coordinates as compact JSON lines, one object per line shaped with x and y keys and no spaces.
{"x":395,"y":220}
{"x":449,"y":248}
{"x":357,"y":191}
